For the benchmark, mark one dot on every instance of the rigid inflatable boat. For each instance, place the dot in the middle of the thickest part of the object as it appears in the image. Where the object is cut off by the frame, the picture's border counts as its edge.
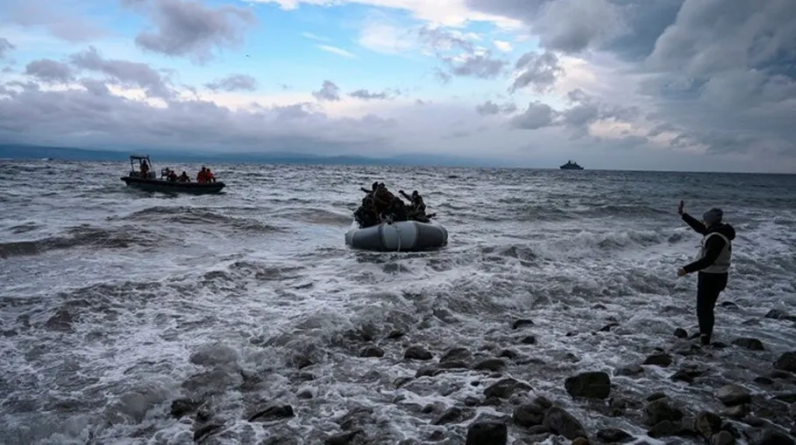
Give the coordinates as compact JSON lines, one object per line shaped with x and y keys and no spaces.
{"x":401,"y":236}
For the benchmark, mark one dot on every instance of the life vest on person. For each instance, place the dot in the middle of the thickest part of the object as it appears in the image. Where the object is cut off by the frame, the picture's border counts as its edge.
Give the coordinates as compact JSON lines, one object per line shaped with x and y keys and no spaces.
{"x":722,"y":263}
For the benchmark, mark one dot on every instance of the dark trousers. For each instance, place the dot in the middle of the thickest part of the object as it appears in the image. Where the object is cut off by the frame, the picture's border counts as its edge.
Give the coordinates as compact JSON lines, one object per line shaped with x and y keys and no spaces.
{"x":709,"y":286}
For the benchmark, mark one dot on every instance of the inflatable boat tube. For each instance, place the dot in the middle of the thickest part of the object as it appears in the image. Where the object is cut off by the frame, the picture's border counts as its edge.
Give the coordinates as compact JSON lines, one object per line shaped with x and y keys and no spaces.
{"x":402,"y":236}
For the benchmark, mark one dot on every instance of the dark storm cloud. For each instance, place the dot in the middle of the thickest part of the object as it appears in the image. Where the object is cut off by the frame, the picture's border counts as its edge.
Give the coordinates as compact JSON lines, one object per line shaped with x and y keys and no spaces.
{"x":124,"y":73}
{"x":49,"y":71}
{"x":188,"y":28}
{"x":93,"y":118}
{"x":329,"y":92}
{"x":720,"y":73}
{"x":5,"y":47}
{"x":233,"y":82}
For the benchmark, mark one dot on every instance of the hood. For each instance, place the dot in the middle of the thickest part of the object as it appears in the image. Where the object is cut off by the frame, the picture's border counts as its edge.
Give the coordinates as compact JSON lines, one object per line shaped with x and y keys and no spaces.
{"x":725,"y":229}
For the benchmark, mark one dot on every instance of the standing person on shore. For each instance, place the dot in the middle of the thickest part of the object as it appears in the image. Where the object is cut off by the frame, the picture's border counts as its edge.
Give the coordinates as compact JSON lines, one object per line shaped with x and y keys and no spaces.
{"x":712,"y":264}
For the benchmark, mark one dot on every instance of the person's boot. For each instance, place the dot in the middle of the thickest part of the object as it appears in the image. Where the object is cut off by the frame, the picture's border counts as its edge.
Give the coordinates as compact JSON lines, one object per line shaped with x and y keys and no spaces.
{"x":704,"y":339}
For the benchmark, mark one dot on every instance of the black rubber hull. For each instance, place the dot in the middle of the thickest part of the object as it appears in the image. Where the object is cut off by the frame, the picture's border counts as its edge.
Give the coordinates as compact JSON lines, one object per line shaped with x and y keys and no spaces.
{"x":159,"y":185}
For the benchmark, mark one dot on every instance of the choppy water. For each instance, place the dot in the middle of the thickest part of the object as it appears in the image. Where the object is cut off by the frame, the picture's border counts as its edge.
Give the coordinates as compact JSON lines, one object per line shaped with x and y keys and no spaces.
{"x":114,"y":303}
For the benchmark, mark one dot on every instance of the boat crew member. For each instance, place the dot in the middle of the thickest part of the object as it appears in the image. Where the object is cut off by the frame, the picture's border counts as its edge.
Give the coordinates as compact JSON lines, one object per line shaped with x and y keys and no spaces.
{"x":184,"y":177}
{"x":201,"y":177}
{"x":712,"y":264}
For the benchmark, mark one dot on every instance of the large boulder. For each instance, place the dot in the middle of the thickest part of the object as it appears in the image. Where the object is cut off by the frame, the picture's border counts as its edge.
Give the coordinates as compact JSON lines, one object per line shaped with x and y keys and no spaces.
{"x":591,"y":385}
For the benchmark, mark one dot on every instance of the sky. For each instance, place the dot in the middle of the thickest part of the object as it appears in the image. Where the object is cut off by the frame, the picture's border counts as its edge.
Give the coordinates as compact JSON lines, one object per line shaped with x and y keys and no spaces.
{"x":693,"y":85}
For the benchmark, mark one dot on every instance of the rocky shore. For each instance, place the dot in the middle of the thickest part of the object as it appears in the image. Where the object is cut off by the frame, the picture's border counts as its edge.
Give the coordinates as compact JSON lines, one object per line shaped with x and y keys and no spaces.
{"x":499,"y":393}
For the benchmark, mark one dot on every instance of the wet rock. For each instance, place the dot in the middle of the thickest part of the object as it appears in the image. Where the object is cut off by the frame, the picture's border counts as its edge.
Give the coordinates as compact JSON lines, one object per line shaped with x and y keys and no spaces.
{"x":455,"y":354}
{"x":521,"y":323}
{"x":342,"y":438}
{"x":528,"y":415}
{"x":592,"y":385}
{"x":305,"y":394}
{"x":728,"y":305}
{"x":401,"y":381}
{"x":732,"y":395}
{"x":707,"y":424}
{"x":272,"y":413}
{"x":487,"y":433}
{"x":787,"y":397}
{"x":599,"y":306}
{"x":356,"y":418}
{"x":668,"y":428}
{"x":762,"y":380}
{"x":509,"y":354}
{"x":580,"y":441}
{"x":786,"y":362}
{"x":428,"y":371}
{"x":543,"y":402}
{"x":491,"y":364}
{"x":395,"y":335}
{"x":655,"y":396}
{"x":61,"y":321}
{"x":737,"y":411}
{"x":771,"y":436}
{"x":752,"y":344}
{"x":688,"y":373}
{"x":372,"y":351}
{"x":629,"y":371}
{"x":777,"y":314}
{"x":680,"y":333}
{"x":613,"y":435}
{"x":661,"y":410}
{"x":181,"y":407}
{"x":472,"y":401}
{"x":659,"y":359}
{"x":528,"y":340}
{"x":436,"y":436}
{"x":608,"y":327}
{"x":205,"y":431}
{"x":722,"y":438}
{"x":417,"y":353}
{"x":455,"y":364}
{"x":504,"y":388}
{"x":563,"y":423}
{"x":451,"y":415}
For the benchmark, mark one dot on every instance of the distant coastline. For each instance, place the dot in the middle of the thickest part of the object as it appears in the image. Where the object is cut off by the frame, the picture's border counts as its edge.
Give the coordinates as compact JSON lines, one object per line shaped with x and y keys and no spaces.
{"x":38,"y":152}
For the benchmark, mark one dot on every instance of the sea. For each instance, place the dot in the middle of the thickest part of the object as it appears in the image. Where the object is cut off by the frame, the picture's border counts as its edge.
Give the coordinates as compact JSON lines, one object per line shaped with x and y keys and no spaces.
{"x":248,"y":309}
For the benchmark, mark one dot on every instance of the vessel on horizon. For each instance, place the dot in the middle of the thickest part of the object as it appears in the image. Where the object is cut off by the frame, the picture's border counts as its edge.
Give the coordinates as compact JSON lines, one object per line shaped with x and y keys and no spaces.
{"x":571,"y":166}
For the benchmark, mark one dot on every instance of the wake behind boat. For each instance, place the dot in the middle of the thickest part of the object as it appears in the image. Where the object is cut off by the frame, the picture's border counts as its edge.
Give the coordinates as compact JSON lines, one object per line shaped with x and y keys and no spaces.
{"x":145,"y":179}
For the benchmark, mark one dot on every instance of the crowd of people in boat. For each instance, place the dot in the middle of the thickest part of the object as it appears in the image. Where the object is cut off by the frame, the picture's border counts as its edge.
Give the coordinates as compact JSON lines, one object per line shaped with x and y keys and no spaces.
{"x":380,"y":205}
{"x":205,"y":175}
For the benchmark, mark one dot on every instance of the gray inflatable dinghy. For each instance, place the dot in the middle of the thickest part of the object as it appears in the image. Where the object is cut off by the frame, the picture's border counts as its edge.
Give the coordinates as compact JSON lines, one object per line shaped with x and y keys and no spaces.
{"x":401,"y":236}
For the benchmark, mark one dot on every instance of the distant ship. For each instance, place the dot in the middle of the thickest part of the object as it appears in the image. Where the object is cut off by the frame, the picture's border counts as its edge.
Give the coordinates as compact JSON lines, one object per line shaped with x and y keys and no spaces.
{"x":571,"y":166}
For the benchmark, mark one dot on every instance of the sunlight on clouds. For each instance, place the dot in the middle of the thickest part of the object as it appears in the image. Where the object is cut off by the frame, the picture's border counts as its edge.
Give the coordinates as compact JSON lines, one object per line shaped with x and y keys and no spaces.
{"x":503,"y":46}
{"x":386,"y":38}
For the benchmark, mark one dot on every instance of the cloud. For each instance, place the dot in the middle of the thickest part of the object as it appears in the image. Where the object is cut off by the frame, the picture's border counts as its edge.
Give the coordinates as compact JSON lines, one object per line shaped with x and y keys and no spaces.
{"x":537,"y":70}
{"x":338,"y":51}
{"x":124,"y":73}
{"x":311,"y":36}
{"x":489,"y":108}
{"x":49,"y":71}
{"x":503,"y":46}
{"x":367,"y":95}
{"x":537,"y":115}
{"x":329,"y":92}
{"x":66,"y":22}
{"x":190,"y":29}
{"x":234,"y":82}
{"x":5,"y":47}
